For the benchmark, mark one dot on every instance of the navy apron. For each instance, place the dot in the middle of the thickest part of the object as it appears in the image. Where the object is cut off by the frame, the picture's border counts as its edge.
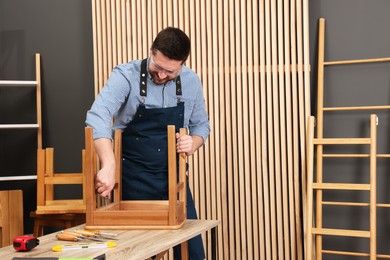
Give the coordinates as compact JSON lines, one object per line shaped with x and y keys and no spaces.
{"x":145,"y":157}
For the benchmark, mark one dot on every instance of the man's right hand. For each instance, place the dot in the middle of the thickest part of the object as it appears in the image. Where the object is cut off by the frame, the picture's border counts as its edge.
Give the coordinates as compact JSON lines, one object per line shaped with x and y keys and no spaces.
{"x":105,"y":181}
{"x":105,"y":178}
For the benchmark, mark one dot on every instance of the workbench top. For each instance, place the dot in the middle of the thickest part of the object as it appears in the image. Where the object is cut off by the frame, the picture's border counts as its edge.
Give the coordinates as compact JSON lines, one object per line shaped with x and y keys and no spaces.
{"x":131,"y":244}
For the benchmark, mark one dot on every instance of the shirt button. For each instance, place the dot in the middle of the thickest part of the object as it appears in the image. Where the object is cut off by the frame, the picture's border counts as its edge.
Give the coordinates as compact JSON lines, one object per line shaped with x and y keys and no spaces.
{"x":158,"y":150}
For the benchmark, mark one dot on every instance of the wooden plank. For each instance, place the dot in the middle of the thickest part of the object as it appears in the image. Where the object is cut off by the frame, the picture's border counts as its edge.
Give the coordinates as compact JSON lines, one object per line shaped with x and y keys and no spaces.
{"x":242,"y":129}
{"x":114,"y":32}
{"x":223,"y":231}
{"x":256,"y":178}
{"x":270,"y":128}
{"x":110,"y":64}
{"x":104,"y":40}
{"x":289,"y":137}
{"x":15,"y":214}
{"x":320,"y":105}
{"x":230,"y":244}
{"x":5,"y":219}
{"x":295,"y":119}
{"x":302,"y":105}
{"x":264,"y":153}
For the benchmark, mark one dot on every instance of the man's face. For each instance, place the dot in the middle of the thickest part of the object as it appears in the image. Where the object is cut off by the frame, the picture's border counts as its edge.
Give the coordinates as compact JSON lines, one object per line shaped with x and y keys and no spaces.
{"x":162,"y":69}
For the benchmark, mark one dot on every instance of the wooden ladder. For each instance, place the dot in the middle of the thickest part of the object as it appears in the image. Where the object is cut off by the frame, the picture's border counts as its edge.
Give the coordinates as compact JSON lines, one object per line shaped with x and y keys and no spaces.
{"x":316,"y":230}
{"x":38,"y":125}
{"x":319,"y":186}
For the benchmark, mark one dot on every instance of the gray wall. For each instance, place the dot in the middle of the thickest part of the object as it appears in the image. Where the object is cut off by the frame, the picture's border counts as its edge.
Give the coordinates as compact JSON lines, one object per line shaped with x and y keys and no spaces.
{"x":62,"y":32}
{"x":355,"y":29}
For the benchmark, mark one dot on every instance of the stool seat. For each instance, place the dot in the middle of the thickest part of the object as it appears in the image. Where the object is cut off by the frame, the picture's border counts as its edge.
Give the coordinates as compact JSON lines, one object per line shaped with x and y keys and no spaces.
{"x":64,"y":221}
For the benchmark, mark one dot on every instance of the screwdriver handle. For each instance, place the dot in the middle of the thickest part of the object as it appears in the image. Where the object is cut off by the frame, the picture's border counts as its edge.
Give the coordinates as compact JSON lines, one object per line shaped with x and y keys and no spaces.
{"x":70,"y":233}
{"x":85,"y":233}
{"x":66,"y":237}
{"x":102,"y":233}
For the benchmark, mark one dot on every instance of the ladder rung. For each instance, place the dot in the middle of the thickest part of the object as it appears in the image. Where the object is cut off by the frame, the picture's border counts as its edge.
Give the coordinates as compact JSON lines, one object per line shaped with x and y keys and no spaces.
{"x":344,"y":62}
{"x":334,"y":252}
{"x":18,"y":178}
{"x":341,"y":203}
{"x":18,"y":83}
{"x":356,"y":108}
{"x":354,"y":204}
{"x":14,"y":126}
{"x":342,"y":141}
{"x":340,"y":232}
{"x":340,"y":186}
{"x":353,"y":155}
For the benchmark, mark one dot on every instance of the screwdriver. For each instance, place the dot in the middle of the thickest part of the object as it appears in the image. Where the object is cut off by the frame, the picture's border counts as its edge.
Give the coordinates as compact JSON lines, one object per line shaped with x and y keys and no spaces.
{"x":89,"y":233}
{"x":73,"y":236}
{"x":102,"y":233}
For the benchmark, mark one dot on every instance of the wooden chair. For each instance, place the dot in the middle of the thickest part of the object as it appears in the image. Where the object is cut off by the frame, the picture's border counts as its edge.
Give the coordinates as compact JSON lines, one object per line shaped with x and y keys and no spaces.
{"x":55,"y":212}
{"x":136,"y":214}
{"x":11,"y":216}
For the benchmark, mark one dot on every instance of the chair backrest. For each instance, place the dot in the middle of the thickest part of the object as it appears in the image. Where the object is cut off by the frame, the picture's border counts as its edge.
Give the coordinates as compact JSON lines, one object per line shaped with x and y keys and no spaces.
{"x":47,"y":178}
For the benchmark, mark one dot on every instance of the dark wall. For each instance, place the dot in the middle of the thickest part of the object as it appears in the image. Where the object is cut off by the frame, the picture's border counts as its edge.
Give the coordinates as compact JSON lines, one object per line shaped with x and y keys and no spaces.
{"x":61,"y":31}
{"x":355,"y":29}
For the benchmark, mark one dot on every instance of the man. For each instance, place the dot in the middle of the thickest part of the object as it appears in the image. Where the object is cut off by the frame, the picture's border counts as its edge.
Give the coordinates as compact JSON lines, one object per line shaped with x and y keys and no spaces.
{"x":144,"y":97}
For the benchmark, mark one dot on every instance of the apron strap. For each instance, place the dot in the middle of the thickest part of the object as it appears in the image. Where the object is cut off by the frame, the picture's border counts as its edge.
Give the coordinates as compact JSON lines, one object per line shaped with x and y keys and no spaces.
{"x":143,"y":85}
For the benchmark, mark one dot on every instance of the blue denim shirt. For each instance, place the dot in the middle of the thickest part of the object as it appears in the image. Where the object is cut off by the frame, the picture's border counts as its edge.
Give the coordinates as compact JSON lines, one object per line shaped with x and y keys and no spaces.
{"x":120,"y":98}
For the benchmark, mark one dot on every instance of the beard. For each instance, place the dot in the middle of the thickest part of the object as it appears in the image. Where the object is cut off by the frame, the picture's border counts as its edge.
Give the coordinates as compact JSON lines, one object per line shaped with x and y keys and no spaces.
{"x":159,"y":81}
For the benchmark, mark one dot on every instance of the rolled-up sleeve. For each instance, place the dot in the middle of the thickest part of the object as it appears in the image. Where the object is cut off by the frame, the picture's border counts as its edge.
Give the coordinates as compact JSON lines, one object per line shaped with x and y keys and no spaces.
{"x":107,"y":103}
{"x":199,"y":123}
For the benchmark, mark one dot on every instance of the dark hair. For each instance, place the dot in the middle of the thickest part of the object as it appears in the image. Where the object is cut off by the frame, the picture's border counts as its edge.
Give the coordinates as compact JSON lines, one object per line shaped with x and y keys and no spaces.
{"x":173,"y":43}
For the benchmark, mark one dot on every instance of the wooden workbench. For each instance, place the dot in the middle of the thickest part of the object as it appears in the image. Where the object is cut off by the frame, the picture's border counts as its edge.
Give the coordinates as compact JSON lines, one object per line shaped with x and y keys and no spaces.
{"x":131,"y":244}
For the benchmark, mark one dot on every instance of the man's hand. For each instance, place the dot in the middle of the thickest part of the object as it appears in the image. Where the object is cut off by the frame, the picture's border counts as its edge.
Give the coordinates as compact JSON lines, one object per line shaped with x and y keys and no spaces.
{"x":105,"y":181}
{"x":188,"y":144}
{"x":105,"y":178}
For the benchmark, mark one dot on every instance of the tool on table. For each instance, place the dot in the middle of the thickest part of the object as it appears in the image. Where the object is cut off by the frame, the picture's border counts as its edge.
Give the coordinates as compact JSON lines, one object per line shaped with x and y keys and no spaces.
{"x":102,"y":233}
{"x":73,"y":236}
{"x":59,"y":248}
{"x":106,"y":202}
{"x":95,"y":234}
{"x":25,"y":243}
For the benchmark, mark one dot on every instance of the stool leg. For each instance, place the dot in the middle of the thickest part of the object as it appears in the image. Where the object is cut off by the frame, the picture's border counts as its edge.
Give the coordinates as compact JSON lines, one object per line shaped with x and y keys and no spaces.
{"x":184,"y":250}
{"x":38,"y":228}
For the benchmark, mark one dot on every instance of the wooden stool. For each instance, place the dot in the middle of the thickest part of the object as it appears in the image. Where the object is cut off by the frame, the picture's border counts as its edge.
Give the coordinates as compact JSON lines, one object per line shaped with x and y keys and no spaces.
{"x":67,"y":220}
{"x":136,"y":214}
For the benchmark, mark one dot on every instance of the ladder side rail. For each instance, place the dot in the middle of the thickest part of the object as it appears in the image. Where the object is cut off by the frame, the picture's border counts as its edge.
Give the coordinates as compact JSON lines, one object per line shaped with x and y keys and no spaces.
{"x":319,"y":121}
{"x":38,"y":99}
{"x":373,"y":149}
{"x":310,"y":168}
